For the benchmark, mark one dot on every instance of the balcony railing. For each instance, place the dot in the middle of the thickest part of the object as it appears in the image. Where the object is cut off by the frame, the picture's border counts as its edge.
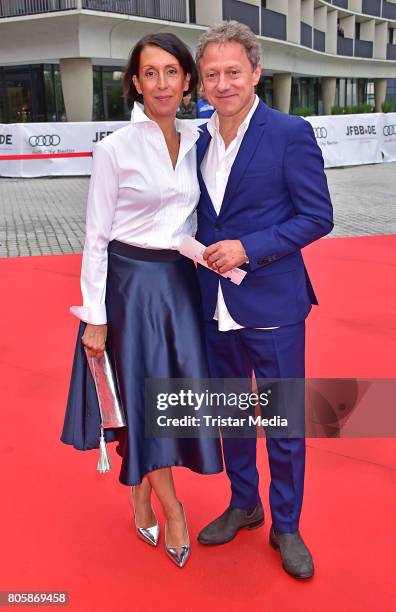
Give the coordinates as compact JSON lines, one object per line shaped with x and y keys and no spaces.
{"x":168,"y":10}
{"x":391,"y":52}
{"x":363,"y":48}
{"x":344,"y":46}
{"x":341,"y":3}
{"x":306,"y":35}
{"x":246,"y":13}
{"x":389,"y":10}
{"x":319,"y":40}
{"x":16,"y":8}
{"x":273,"y":24}
{"x":372,"y":7}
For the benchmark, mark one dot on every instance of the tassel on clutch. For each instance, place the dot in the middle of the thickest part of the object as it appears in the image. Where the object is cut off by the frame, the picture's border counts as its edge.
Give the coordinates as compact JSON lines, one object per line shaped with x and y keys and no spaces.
{"x":104,"y":464}
{"x":111,"y":412}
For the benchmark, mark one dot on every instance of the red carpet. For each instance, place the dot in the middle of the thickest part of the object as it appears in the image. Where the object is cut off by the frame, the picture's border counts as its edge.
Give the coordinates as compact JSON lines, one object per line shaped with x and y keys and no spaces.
{"x":64,"y":527}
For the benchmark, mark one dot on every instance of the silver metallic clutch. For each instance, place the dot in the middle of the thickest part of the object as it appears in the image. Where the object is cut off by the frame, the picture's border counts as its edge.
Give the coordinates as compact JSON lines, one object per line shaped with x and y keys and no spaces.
{"x":111,"y":411}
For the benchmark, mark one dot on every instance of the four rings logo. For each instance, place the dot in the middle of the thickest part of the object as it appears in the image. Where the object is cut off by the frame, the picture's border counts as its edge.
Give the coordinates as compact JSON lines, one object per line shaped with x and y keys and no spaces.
{"x":390,"y":130}
{"x":320,"y":132}
{"x":44,"y":140}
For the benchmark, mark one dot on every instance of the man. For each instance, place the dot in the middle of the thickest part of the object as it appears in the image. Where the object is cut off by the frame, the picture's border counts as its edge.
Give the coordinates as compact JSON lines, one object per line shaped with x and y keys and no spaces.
{"x":187,"y":108}
{"x":264,"y":196}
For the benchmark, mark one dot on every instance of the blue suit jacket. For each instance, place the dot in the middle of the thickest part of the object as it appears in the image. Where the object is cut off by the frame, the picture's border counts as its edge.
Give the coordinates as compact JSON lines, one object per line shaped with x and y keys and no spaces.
{"x":276,"y":202}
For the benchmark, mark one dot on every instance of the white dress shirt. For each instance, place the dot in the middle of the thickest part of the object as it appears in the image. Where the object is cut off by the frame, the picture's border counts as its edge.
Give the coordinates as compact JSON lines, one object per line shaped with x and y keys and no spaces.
{"x":216,"y":167}
{"x":137,"y":197}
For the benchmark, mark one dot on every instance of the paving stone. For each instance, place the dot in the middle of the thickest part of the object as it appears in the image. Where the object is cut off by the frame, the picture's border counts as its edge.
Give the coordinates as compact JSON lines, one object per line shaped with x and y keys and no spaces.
{"x":47,"y":215}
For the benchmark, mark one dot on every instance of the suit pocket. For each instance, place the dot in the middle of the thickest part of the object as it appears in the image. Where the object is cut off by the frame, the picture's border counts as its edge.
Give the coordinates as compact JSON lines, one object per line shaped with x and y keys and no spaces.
{"x":280,"y":266}
{"x":271,"y":270}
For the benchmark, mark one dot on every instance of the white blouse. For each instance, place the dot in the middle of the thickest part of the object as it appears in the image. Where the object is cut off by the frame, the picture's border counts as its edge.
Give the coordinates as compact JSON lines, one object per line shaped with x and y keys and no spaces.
{"x":135,"y":196}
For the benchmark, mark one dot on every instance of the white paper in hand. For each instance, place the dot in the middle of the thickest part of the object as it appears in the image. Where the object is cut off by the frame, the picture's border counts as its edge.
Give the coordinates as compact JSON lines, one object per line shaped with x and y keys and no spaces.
{"x":194,"y":250}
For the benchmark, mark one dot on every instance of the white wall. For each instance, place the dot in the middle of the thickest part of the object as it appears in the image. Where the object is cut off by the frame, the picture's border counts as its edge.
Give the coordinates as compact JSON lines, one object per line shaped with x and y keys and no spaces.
{"x":280,"y":6}
{"x":367,"y":30}
{"x":348,"y":25}
{"x":355,"y":5}
{"x":293,"y":21}
{"x":320,"y":18}
{"x":307,"y":12}
{"x":208,"y":12}
{"x":380,"y":41}
{"x":331,"y":34}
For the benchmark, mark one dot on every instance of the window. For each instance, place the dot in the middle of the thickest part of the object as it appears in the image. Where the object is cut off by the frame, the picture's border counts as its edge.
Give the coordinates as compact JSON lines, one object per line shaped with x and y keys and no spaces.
{"x":108,"y":101}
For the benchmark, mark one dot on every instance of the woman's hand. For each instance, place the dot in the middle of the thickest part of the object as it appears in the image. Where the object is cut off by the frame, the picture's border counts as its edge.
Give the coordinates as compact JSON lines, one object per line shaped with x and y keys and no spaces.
{"x":94,"y":339}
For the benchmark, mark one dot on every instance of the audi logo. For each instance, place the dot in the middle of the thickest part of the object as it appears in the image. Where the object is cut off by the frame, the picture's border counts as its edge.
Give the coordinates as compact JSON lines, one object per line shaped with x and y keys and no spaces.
{"x":390,"y":130}
{"x":44,"y":140}
{"x":320,"y":132}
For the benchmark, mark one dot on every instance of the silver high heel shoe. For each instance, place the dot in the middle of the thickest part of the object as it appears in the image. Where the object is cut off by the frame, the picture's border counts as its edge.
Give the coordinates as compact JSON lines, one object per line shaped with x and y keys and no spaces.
{"x":148,"y":534}
{"x":179,"y":554}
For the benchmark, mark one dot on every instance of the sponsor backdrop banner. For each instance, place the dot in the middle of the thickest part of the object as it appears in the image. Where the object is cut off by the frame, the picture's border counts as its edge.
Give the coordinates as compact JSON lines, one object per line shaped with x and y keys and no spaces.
{"x":389,"y":134}
{"x":61,"y":149}
{"x":10,"y":144}
{"x":348,"y":140}
{"x":51,"y":149}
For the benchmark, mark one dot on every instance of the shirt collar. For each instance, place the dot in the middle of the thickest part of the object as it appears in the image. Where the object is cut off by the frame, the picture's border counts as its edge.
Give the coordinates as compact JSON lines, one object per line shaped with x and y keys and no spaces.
{"x":213,"y":123}
{"x":186,"y":127}
{"x":137,"y":114}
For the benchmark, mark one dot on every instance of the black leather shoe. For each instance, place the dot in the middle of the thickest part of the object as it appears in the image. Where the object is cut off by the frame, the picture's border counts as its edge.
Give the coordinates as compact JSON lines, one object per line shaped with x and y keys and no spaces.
{"x":225,"y":527}
{"x":296,"y":558}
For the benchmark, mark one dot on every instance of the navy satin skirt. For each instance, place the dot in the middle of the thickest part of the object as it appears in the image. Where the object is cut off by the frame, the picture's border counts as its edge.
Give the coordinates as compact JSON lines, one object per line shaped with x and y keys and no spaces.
{"x":155,"y":330}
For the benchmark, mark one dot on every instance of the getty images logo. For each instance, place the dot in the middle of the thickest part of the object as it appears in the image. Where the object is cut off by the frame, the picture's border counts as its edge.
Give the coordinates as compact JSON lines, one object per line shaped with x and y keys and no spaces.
{"x":361,"y":130}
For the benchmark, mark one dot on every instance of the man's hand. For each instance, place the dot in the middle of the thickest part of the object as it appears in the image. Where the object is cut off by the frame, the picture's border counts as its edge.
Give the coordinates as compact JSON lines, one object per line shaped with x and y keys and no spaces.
{"x":225,"y":255}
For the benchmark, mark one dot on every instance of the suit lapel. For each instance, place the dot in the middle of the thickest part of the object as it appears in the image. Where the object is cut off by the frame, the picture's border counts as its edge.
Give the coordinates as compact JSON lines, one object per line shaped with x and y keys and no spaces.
{"x":246,"y":151}
{"x":202,"y":147}
{"x":202,"y":144}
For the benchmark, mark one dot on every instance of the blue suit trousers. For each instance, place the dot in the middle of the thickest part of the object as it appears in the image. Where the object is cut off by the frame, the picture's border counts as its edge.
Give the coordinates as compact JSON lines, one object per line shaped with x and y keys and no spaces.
{"x":277,"y":353}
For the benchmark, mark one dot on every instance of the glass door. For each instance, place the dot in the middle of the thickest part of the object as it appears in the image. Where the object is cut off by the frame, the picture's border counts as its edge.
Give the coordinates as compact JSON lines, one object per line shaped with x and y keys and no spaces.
{"x":113,"y":101}
{"x":19,"y":94}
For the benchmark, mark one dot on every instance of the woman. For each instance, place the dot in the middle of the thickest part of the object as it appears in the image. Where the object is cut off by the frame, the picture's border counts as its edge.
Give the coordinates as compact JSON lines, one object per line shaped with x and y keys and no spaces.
{"x":141,"y":298}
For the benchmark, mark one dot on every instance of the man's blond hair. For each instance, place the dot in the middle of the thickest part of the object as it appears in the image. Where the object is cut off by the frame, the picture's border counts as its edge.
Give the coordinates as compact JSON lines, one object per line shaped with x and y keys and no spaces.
{"x":231,"y":31}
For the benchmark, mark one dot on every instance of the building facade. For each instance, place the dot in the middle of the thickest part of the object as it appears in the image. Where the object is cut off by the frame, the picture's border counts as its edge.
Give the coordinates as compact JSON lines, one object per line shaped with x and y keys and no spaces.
{"x":63,"y":59}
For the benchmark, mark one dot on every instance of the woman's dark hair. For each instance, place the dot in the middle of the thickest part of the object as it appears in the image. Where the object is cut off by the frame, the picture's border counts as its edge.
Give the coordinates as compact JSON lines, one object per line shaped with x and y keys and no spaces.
{"x":168,"y":42}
